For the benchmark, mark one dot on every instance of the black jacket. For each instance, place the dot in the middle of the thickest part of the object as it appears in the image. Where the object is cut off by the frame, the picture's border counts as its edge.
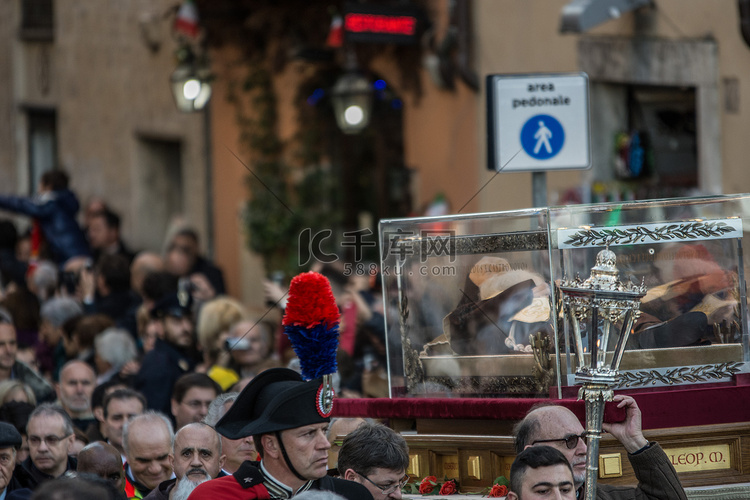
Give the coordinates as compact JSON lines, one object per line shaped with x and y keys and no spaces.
{"x":160,"y":369}
{"x":30,"y":477}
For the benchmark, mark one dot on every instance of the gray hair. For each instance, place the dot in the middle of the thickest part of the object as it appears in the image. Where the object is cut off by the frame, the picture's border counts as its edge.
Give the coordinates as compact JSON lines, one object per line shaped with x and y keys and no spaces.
{"x":58,"y":310}
{"x":50,"y":410}
{"x":216,"y":408}
{"x":152,"y":416}
{"x":318,"y":495}
{"x":115,"y":346}
{"x":45,"y":279}
{"x":198,"y":425}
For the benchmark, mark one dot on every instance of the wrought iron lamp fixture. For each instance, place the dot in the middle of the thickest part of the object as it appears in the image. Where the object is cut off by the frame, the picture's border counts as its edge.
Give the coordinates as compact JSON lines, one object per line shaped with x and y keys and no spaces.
{"x":191,"y":80}
{"x":601,"y":311}
{"x":352,"y":102}
{"x":351,"y":96}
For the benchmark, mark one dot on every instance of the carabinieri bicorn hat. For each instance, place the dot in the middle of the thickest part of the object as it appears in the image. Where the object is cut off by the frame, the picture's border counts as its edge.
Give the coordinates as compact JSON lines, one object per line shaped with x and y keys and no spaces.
{"x":276,"y":400}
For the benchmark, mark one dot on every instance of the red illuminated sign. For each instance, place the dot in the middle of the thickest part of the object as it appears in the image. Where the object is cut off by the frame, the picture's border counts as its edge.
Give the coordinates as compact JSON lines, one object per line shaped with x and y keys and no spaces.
{"x":372,"y":23}
{"x":382,"y":24}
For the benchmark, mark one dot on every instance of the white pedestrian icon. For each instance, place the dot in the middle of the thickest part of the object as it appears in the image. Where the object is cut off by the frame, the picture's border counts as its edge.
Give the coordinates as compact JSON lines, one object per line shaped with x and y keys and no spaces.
{"x":542,"y":137}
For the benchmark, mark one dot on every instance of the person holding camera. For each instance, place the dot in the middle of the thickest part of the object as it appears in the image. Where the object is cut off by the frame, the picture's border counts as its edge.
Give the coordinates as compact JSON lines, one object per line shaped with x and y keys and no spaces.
{"x":250,"y":345}
{"x":214,"y":320}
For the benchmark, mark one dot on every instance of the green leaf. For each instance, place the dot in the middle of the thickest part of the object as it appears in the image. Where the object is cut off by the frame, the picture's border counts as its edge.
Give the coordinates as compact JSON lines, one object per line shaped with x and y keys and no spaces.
{"x":410,"y":489}
{"x":501,"y":480}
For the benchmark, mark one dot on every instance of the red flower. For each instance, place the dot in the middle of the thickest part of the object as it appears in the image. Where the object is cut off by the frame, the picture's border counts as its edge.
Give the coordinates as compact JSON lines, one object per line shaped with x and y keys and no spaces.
{"x":498,"y":490}
{"x":427,"y":485}
{"x":449,"y":487}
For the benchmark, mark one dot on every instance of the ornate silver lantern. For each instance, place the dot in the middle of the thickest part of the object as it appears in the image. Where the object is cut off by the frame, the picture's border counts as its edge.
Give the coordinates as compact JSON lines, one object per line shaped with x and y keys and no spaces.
{"x":601,"y":311}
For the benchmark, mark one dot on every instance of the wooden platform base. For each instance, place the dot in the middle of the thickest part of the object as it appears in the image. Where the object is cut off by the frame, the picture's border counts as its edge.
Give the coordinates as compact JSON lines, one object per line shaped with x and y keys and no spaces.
{"x":702,"y":455}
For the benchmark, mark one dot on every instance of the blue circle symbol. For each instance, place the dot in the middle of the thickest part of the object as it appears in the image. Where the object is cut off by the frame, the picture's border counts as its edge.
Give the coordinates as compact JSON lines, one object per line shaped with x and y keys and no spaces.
{"x":542,"y":137}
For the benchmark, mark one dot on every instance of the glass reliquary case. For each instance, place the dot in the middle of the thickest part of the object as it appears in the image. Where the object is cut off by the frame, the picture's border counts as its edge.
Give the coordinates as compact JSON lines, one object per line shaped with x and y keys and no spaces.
{"x":472,"y":305}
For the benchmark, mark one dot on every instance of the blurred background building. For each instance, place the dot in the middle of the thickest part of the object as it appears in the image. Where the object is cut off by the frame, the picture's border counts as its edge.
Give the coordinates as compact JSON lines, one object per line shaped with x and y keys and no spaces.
{"x":85,"y":86}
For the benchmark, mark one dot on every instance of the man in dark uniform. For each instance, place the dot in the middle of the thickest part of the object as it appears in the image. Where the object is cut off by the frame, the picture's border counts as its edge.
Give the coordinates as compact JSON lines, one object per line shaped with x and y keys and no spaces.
{"x":172,"y":356}
{"x":288,"y":421}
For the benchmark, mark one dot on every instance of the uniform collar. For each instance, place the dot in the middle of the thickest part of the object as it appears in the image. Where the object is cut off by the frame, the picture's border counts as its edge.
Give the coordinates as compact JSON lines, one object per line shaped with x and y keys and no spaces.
{"x":277,"y":489}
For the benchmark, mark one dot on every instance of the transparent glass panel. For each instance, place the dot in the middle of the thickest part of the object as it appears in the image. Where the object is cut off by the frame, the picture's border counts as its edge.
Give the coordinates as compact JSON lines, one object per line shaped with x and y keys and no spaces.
{"x":689,"y":253}
{"x":462,"y":296}
{"x":473,"y":305}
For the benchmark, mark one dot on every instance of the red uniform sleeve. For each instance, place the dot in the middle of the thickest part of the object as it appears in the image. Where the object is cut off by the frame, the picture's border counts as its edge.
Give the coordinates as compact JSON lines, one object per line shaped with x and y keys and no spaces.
{"x":227,"y":488}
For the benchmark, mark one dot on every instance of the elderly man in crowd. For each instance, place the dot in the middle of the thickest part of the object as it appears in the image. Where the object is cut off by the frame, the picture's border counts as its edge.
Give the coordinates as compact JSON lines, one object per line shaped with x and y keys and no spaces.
{"x":282,"y":413}
{"x":74,"y":392}
{"x":196,"y":458}
{"x":191,"y":398}
{"x":558,"y":427}
{"x":376,"y":457}
{"x":12,"y":369}
{"x":120,"y":406}
{"x":148,"y":442}
{"x":236,"y":450}
{"x":541,"y":472}
{"x":103,"y":460}
{"x":50,"y":434}
{"x":10,"y":442}
{"x":113,"y":348}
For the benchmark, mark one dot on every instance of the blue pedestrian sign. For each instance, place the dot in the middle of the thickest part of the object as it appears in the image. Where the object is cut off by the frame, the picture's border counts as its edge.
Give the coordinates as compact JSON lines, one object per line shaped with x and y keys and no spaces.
{"x":542,"y":137}
{"x":537,"y":123}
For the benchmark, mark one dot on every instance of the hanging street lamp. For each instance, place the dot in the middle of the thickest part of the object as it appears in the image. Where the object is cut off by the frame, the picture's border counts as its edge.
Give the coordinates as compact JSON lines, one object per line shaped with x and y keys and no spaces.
{"x":190,"y":81}
{"x":352,"y":102}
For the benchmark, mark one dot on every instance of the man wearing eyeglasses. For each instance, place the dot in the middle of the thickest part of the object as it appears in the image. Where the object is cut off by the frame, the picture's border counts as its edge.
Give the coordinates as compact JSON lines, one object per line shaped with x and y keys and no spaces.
{"x":558,"y":427}
{"x":50,"y":434}
{"x":376,"y":457}
{"x":191,"y":398}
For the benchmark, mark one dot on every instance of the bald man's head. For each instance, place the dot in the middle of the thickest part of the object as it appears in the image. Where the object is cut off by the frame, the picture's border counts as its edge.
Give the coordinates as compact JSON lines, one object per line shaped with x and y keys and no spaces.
{"x":558,"y":427}
{"x":103,"y":460}
{"x":77,"y":382}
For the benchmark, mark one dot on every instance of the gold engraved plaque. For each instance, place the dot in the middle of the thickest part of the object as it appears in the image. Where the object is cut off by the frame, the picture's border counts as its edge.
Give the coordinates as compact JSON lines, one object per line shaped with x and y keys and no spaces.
{"x":699,"y":458}
{"x":450,"y":466}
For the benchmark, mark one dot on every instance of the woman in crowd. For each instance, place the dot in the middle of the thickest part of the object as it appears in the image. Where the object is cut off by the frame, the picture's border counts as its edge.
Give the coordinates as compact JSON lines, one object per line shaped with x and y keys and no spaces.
{"x":214,"y":320}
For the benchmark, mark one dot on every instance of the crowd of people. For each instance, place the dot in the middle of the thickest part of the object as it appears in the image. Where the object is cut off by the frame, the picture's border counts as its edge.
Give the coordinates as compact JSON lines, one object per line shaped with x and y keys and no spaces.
{"x":134,"y":375}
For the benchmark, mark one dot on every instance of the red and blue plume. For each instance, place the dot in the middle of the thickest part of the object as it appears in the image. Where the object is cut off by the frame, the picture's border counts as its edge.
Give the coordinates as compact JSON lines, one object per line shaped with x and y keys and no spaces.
{"x":311,"y":321}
